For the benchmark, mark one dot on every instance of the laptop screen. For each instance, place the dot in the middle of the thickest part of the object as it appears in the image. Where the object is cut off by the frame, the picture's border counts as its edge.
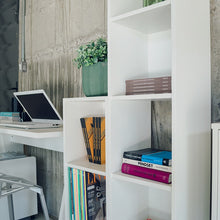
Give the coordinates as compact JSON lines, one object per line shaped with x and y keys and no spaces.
{"x":38,"y":106}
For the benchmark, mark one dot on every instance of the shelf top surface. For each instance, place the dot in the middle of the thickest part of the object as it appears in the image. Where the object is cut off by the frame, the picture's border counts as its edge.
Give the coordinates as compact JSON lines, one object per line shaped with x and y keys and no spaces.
{"x":160,"y":96}
{"x":85,"y":99}
{"x":138,"y":180}
{"x":150,"y":19}
{"x":84,"y":164}
{"x":33,"y":133}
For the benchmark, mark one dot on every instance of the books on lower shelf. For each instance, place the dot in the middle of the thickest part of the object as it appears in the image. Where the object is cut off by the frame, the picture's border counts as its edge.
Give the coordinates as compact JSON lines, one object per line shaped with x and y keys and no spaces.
{"x":148,"y":163}
{"x":93,"y":129}
{"x":87,"y":197}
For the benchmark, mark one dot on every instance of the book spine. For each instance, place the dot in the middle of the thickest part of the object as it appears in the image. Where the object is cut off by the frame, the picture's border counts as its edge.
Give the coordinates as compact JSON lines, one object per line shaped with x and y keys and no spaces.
{"x":99,"y":139}
{"x":89,"y":131}
{"x":70,"y":193}
{"x":90,"y":194}
{"x":132,"y":156}
{"x":10,"y":114}
{"x":85,"y":197}
{"x":95,"y":139}
{"x":102,"y":141}
{"x":76,"y":209}
{"x":8,"y":118}
{"x":82,"y":195}
{"x":156,"y":160}
{"x":146,"y":173}
{"x":147,"y":165}
{"x":86,"y":139}
{"x":79,"y":194}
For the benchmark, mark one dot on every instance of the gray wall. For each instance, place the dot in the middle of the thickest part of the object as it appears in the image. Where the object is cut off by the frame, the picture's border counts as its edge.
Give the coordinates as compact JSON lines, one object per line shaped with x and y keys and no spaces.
{"x":55,"y":28}
{"x":8,"y":52}
{"x":215,"y":59}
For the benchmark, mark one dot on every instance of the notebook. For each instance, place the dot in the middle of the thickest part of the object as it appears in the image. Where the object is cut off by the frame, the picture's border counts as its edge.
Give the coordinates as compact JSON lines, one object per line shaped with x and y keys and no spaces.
{"x":39,"y":108}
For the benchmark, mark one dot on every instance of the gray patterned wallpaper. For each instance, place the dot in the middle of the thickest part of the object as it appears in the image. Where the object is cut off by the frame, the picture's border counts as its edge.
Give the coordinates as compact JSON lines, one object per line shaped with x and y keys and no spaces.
{"x":8,"y":52}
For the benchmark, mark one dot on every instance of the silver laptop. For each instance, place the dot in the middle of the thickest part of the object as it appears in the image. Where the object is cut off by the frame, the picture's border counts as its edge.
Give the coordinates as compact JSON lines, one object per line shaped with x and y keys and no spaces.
{"x":39,"y":108}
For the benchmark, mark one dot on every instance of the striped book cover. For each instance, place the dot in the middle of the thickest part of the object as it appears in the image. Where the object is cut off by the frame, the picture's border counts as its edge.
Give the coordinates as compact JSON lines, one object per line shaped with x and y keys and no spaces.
{"x":87,"y":129}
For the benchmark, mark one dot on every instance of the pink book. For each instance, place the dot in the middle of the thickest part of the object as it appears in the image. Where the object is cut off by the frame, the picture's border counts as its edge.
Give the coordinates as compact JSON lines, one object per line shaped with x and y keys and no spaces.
{"x":157,"y":175}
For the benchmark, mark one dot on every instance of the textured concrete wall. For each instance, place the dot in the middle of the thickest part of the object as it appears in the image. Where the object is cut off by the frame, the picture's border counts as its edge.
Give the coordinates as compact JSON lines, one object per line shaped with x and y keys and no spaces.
{"x":215,"y":59}
{"x":161,"y":137}
{"x":54,"y":30}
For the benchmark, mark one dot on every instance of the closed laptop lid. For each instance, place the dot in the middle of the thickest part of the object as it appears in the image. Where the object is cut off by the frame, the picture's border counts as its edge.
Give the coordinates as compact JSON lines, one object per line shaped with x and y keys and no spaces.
{"x":38,"y":106}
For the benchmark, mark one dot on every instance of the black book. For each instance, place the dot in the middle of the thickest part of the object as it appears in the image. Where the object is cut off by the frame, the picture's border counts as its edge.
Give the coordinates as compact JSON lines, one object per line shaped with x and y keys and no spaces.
{"x":137,"y":154}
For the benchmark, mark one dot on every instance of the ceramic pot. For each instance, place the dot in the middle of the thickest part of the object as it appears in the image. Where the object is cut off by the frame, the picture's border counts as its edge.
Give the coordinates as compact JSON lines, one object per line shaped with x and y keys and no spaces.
{"x":95,"y":79}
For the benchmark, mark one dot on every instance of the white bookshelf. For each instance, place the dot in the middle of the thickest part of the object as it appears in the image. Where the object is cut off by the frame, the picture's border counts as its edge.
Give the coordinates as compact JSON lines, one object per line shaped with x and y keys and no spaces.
{"x":165,"y":39}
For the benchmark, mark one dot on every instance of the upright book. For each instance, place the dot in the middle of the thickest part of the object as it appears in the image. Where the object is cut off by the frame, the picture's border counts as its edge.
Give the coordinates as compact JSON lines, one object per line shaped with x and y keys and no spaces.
{"x":93,"y":129}
{"x":96,"y":196}
{"x":87,"y":129}
{"x":157,"y":175}
{"x":99,"y":139}
{"x":71,"y":192}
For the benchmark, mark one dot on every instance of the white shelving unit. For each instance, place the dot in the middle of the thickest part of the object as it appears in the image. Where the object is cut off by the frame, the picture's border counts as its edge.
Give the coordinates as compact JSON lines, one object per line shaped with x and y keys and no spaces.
{"x":165,"y":39}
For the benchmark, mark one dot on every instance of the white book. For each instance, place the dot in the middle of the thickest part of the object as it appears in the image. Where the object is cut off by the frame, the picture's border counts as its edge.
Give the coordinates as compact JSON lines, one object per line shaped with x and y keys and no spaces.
{"x":10,"y":118}
{"x":148,"y":165}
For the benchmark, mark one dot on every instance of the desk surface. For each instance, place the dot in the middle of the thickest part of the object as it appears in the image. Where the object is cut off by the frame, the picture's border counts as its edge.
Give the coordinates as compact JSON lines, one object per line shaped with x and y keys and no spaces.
{"x":50,"y":138}
{"x":32,"y":133}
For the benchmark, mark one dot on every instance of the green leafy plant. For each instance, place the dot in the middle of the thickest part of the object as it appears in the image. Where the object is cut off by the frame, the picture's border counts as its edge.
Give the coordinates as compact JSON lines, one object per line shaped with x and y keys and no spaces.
{"x":94,"y":52}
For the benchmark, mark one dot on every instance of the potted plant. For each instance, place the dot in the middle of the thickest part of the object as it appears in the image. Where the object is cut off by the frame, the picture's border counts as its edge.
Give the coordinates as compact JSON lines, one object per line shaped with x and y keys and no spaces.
{"x":92,"y":58}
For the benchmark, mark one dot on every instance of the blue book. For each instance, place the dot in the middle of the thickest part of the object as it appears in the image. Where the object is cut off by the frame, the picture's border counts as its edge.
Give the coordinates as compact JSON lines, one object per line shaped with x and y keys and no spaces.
{"x":9,"y":114}
{"x":161,"y":158}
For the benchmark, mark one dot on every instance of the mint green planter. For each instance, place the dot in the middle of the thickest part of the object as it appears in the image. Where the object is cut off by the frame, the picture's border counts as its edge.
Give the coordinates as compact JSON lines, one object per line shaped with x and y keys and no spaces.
{"x":95,"y":79}
{"x":150,"y":2}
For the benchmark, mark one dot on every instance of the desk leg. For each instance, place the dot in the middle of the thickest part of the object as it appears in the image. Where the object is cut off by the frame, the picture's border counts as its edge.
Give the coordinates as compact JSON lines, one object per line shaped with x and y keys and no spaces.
{"x":62,"y":207}
{"x":10,"y":207}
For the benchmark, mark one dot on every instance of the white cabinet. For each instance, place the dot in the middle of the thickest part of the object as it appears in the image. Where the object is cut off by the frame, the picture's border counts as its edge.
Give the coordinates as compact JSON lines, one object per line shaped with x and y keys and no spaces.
{"x":25,"y":202}
{"x":170,"y":38}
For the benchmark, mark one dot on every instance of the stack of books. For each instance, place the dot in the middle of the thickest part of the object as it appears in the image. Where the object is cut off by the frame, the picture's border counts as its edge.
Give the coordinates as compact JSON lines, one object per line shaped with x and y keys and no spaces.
{"x":148,"y":163}
{"x":10,"y":116}
{"x":93,"y":129}
{"x":87,"y":195}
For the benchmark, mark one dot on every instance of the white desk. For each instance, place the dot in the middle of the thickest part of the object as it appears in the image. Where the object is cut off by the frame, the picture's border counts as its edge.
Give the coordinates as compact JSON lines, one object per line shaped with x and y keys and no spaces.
{"x":50,"y":139}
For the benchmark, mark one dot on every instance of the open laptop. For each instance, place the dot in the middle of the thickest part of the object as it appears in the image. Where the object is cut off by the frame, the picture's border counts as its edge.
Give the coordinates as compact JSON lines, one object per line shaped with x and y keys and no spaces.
{"x":39,"y":108}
